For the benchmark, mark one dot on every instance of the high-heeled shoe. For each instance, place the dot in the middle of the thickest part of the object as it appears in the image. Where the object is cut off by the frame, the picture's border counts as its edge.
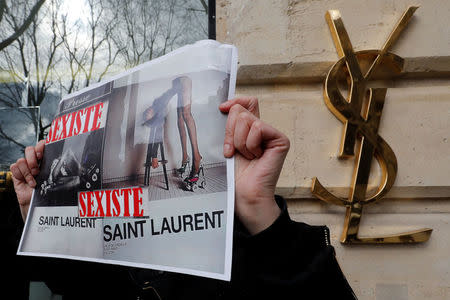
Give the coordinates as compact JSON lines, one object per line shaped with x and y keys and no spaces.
{"x":196,"y":179}
{"x":184,"y":165}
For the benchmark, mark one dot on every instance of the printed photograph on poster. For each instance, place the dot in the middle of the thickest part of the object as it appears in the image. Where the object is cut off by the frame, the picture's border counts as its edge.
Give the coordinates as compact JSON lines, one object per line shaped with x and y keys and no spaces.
{"x":75,"y":167}
{"x":177,"y":136}
{"x":134,"y":171}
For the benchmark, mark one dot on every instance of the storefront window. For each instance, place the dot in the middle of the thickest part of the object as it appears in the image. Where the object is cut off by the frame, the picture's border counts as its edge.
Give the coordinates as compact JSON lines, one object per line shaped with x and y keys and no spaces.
{"x":51,"y":48}
{"x":18,"y":128}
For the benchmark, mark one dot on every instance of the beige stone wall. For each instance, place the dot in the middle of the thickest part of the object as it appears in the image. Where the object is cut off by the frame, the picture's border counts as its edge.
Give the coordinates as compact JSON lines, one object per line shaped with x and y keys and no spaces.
{"x":285,"y":50}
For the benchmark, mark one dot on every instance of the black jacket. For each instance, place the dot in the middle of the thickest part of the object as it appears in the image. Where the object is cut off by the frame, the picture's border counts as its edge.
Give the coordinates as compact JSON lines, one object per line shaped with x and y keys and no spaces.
{"x":288,"y":260}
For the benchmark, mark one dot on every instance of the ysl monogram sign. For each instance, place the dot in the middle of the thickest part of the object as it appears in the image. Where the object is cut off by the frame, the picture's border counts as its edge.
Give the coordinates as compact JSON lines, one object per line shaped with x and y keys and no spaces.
{"x":360,"y":113}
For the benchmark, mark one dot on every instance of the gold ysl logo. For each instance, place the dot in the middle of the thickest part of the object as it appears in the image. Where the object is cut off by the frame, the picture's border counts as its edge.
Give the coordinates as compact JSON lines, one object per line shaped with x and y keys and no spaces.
{"x":360,"y":113}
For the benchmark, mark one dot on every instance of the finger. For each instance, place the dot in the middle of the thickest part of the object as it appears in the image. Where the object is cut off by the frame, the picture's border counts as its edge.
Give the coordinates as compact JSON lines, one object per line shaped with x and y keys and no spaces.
{"x":243,"y":125}
{"x":254,"y":142}
{"x":274,"y":139}
{"x":26,"y":172}
{"x":32,"y":160}
{"x":249,"y":103}
{"x":228,"y":143}
{"x":16,"y":174}
{"x":40,"y":149}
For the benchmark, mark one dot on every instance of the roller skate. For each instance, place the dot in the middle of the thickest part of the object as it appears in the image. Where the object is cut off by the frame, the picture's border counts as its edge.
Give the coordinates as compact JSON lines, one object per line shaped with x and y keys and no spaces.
{"x":196,"y":180}
{"x":90,"y":175}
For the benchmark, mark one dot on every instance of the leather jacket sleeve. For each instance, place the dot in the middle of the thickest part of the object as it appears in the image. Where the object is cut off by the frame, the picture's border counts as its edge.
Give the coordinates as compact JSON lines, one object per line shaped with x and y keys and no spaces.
{"x":288,"y":260}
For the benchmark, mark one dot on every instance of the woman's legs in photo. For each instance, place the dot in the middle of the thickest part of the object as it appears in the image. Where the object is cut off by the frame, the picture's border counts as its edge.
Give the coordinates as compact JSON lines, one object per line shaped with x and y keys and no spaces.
{"x":192,"y":132}
{"x":185,"y":118}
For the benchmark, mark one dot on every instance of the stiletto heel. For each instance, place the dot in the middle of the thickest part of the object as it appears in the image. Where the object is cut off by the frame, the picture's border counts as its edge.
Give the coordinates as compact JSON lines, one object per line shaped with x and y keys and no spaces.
{"x":184,"y":164}
{"x":203,"y":179}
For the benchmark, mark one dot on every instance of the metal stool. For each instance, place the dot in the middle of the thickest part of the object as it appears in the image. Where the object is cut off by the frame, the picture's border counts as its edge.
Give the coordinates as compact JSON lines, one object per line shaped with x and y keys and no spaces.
{"x":148,"y":163}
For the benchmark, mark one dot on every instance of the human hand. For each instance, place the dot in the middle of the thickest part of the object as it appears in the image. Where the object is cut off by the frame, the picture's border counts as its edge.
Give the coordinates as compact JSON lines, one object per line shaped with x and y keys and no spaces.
{"x":148,"y":114}
{"x":259,"y":151}
{"x":155,"y":163}
{"x":23,"y":173}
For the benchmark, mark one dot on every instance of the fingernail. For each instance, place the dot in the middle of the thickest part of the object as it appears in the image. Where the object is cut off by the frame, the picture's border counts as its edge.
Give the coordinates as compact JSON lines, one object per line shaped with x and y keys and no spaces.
{"x":32,"y":182}
{"x":227,"y":149}
{"x":224,"y":104}
{"x":39,"y":155}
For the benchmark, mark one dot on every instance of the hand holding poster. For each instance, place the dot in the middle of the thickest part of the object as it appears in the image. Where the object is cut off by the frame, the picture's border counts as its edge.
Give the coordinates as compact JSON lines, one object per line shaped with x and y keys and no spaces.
{"x":133,"y":171}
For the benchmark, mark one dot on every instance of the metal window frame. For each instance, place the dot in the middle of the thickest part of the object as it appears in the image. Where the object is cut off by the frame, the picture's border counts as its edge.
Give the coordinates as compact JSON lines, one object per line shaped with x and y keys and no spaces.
{"x":212,"y":19}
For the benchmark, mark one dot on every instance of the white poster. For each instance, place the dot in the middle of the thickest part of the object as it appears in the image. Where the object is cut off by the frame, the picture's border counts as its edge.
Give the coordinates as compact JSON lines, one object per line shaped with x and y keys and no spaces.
{"x":133,"y":171}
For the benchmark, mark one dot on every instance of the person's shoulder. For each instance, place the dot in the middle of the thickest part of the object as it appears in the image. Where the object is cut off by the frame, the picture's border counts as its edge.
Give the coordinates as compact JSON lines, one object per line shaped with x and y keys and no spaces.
{"x":318,"y":235}
{"x":314,"y":235}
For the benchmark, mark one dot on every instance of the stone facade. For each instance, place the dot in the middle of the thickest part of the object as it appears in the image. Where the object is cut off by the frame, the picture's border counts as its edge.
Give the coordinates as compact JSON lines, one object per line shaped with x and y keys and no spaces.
{"x":285,"y":50}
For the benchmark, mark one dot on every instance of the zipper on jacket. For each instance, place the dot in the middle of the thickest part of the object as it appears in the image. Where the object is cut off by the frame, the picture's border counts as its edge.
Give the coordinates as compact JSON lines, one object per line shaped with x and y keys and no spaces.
{"x":326,"y":231}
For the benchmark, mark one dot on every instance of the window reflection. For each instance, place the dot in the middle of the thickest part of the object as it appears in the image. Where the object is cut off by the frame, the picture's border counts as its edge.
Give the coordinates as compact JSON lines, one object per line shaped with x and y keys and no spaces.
{"x":68,"y":45}
{"x":18,"y":129}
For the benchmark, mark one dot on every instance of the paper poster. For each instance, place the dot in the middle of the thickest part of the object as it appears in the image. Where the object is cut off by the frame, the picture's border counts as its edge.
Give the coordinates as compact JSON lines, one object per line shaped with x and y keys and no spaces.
{"x":133,"y":171}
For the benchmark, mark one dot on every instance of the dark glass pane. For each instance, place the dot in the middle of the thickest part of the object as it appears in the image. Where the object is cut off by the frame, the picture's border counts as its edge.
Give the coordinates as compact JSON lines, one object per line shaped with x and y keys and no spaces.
{"x":18,"y":129}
